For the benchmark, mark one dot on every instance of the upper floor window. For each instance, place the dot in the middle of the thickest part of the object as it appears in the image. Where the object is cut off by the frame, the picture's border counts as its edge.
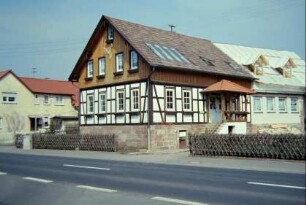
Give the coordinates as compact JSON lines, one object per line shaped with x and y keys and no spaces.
{"x":186,"y":100}
{"x":135,"y":99}
{"x":270,"y":104}
{"x":36,"y":99}
{"x":119,"y":62}
{"x":170,"y":99}
{"x":90,"y":104}
{"x":110,"y":33}
{"x":120,"y":101}
{"x":101,"y":66}
{"x":46,"y":99}
{"x":102,"y":98}
{"x":257,"y":104}
{"x":282,"y":104}
{"x":89,"y":69}
{"x":59,"y":100}
{"x":9,"y":98}
{"x":133,"y":60}
{"x":294,"y":105}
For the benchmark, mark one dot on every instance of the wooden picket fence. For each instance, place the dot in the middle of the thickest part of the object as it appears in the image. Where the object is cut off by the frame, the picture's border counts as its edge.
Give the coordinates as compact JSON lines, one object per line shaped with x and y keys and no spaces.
{"x":73,"y":142}
{"x":284,"y":146}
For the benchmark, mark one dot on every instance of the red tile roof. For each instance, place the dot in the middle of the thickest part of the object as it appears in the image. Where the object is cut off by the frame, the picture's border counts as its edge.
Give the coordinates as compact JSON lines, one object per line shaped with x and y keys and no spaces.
{"x":228,"y":86}
{"x":55,"y":87}
{"x":190,"y":47}
{"x":4,"y":73}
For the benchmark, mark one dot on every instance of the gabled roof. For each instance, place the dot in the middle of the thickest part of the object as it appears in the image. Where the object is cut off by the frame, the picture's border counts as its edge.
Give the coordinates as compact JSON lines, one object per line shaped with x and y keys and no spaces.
{"x":4,"y":73}
{"x":144,"y":39}
{"x":275,"y":59}
{"x":227,"y":86}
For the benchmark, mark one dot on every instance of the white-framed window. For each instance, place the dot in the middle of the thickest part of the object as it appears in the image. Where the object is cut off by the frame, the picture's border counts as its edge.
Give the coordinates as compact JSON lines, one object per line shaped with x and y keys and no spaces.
{"x":186,"y":100}
{"x":282,"y":104}
{"x":133,"y":60}
{"x":110,"y":33}
{"x":59,"y":100}
{"x":46,"y":99}
{"x":36,"y":99}
{"x":9,"y":98}
{"x":119,"y":62}
{"x":120,"y":101}
{"x":90,"y":104}
{"x":270,"y":104}
{"x":89,"y":69}
{"x":294,"y":104}
{"x":102,"y":101}
{"x":102,"y":66}
{"x":135,"y":99}
{"x":46,"y":122}
{"x":257,"y":104}
{"x":1,"y":122}
{"x":170,"y":99}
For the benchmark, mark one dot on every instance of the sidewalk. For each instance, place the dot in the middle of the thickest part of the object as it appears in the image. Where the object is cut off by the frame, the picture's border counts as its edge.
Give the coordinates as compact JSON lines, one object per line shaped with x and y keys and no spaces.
{"x":174,"y":157}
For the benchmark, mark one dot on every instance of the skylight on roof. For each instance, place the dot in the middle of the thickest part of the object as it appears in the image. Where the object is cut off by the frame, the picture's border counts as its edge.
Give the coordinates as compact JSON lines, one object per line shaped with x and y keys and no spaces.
{"x":167,"y":53}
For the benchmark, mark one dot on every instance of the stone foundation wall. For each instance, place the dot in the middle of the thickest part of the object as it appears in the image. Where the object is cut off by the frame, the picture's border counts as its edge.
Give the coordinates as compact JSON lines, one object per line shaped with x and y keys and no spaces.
{"x":128,"y":136}
{"x":132,"y":137}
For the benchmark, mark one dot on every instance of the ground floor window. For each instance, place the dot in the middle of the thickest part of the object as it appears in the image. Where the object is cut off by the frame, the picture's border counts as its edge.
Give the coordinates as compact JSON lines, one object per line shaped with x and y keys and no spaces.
{"x":294,"y":107}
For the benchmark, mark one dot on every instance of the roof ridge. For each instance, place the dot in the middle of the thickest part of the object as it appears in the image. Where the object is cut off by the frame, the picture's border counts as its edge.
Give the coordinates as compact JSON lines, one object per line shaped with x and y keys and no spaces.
{"x":45,"y":79}
{"x":151,"y":27}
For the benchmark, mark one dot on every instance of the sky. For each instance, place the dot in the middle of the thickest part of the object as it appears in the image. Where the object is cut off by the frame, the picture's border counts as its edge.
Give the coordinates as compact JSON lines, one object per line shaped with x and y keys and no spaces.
{"x":50,"y":35}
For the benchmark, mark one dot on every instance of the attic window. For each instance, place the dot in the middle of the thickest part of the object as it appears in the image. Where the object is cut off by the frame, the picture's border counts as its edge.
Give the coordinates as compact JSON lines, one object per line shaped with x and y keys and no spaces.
{"x":110,"y":34}
{"x":207,"y":61}
{"x":233,"y":66}
{"x":167,"y":53}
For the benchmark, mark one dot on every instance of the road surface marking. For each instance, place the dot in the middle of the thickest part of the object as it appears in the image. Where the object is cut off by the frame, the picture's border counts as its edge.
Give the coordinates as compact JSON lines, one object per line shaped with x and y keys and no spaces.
{"x":3,"y":173}
{"x":178,"y":201}
{"x":37,"y":179}
{"x":277,"y":185}
{"x":195,"y":162}
{"x":86,"y":167}
{"x":96,"y":188}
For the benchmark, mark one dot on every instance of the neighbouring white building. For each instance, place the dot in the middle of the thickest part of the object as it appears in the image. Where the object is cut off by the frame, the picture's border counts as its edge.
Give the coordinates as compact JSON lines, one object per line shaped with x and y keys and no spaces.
{"x":279,"y":101}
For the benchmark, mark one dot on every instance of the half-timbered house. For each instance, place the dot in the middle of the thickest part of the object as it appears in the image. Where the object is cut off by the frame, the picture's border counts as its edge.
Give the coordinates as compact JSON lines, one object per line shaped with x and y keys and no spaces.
{"x":151,"y":87}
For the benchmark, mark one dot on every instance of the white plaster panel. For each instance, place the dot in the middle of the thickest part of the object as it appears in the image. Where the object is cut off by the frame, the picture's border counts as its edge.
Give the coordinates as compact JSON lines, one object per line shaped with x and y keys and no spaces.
{"x":90,"y":91}
{"x":135,"y":85}
{"x":83,"y":96}
{"x":159,"y":90}
{"x":201,"y":117}
{"x":195,"y":117}
{"x":127,"y":105}
{"x":90,"y":120}
{"x":239,"y":128}
{"x":187,"y":118}
{"x":178,"y":92}
{"x":145,"y":118}
{"x":102,"y":120}
{"x":96,"y":96}
{"x":195,"y":105}
{"x":179,"y":105}
{"x":127,"y":118}
{"x":113,"y":106}
{"x":179,"y":117}
{"x":82,"y":120}
{"x":143,"y":89}
{"x":135,"y":119}
{"x":195,"y":93}
{"x":120,"y":87}
{"x":156,"y":117}
{"x":120,"y":119}
{"x":170,"y":118}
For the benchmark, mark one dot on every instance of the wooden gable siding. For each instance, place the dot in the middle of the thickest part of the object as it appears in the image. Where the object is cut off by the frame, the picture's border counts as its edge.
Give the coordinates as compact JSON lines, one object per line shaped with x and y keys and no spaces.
{"x":193,"y":79}
{"x":109,"y":51}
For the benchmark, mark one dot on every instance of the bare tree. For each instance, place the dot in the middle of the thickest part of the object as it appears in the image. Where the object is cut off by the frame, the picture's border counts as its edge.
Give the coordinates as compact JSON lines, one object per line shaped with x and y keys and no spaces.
{"x":15,"y":122}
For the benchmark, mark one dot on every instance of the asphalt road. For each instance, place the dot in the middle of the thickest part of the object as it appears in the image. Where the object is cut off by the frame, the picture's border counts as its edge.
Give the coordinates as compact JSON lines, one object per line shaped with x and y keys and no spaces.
{"x":29,"y":179}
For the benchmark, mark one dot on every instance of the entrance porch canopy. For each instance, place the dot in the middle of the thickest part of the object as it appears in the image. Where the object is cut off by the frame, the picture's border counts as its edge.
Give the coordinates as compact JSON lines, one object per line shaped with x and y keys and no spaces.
{"x":232,"y":109}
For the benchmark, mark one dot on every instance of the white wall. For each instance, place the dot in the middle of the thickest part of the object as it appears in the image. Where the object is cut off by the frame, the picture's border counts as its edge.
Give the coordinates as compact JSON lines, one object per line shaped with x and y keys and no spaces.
{"x":239,"y":128}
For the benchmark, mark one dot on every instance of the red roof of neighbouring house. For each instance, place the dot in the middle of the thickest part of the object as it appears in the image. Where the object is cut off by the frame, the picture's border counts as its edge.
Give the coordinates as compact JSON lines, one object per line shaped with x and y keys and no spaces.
{"x":55,"y":87}
{"x":228,"y":86}
{"x":4,"y":73}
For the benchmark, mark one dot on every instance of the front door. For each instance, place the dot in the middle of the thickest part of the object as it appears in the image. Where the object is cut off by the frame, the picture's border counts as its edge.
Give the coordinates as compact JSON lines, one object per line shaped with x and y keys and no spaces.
{"x":215,"y":109}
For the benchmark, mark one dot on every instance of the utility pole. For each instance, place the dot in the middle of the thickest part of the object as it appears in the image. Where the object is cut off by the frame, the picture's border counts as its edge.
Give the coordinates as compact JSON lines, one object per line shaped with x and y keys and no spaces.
{"x":171,"y":27}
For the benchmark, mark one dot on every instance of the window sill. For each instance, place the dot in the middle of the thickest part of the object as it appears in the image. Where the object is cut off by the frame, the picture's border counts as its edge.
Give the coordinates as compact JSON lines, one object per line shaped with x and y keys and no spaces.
{"x":108,"y":41}
{"x":100,"y":76}
{"x":88,"y":79}
{"x":118,"y":73}
{"x":59,"y":104}
{"x":133,"y":70}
